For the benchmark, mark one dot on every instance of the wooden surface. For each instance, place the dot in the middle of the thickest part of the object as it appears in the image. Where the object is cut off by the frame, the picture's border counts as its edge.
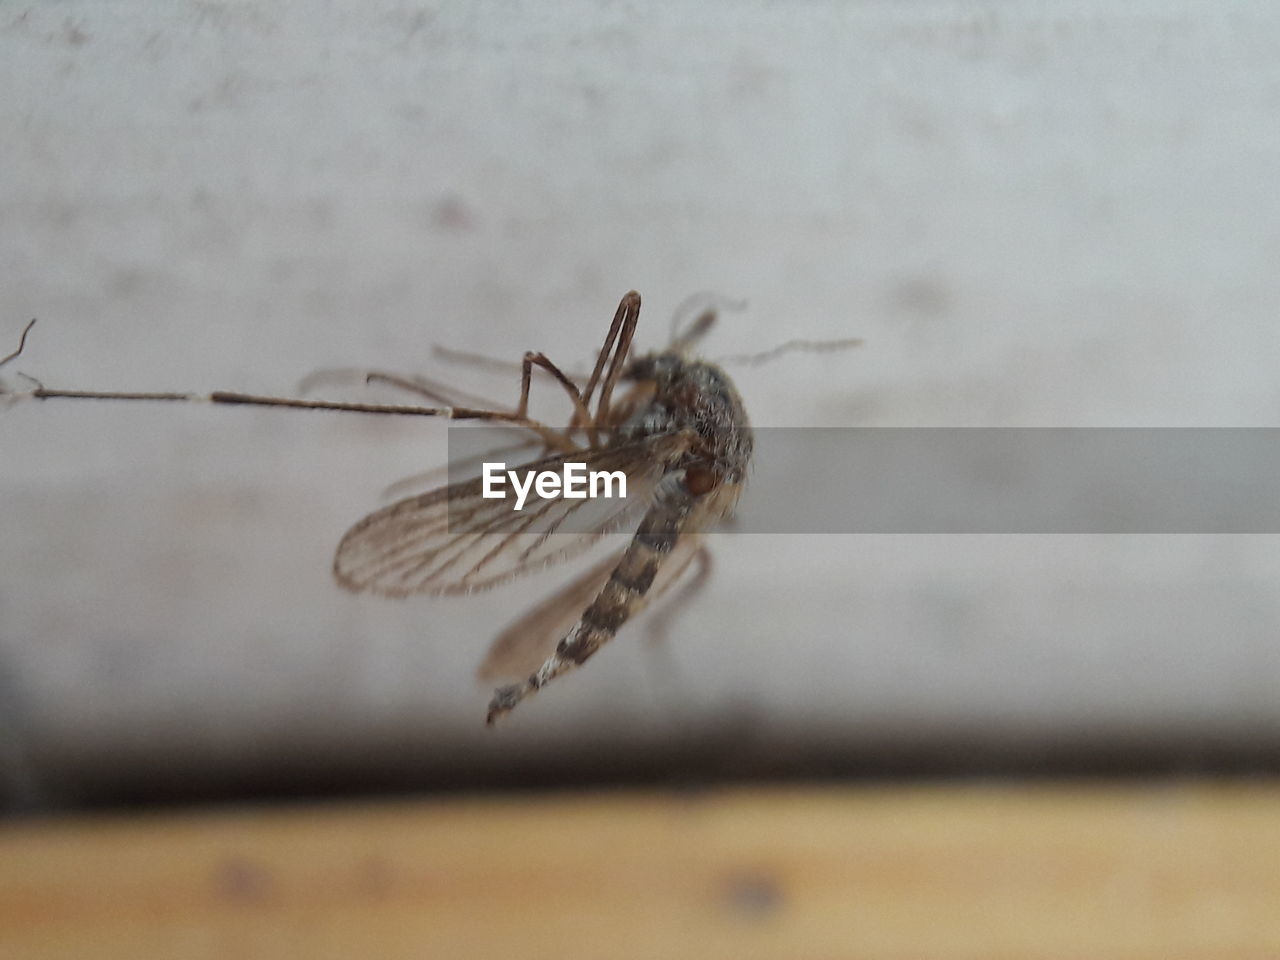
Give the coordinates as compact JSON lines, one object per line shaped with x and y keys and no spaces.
{"x":1142,"y":871}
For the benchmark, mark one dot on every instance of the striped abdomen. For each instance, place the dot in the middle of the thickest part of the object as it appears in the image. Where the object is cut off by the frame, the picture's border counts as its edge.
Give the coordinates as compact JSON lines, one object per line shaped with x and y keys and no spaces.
{"x":622,"y":596}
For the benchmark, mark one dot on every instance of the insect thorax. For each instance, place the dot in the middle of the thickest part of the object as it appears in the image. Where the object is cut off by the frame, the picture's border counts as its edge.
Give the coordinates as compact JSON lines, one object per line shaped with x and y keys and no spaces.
{"x":691,"y":394}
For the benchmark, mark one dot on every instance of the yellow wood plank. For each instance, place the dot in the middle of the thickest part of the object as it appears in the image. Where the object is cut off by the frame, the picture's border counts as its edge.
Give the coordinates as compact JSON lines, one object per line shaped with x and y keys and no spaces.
{"x":948,"y":872}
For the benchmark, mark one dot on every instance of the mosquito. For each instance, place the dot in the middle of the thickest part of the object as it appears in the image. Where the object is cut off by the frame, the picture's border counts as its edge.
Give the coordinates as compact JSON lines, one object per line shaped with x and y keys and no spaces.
{"x":672,"y":423}
{"x":677,"y":429}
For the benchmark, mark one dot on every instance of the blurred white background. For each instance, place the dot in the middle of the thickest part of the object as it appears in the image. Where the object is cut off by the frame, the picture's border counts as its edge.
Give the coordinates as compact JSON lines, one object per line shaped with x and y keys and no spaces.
{"x":1041,"y":214}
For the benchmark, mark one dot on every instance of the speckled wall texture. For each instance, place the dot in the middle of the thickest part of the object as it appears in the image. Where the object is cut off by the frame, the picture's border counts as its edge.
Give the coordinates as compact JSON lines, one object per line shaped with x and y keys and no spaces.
{"x":1040,"y":214}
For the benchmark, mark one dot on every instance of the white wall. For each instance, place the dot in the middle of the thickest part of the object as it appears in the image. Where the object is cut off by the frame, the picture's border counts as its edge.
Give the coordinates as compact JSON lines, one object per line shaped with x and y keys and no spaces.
{"x":1036,"y":214}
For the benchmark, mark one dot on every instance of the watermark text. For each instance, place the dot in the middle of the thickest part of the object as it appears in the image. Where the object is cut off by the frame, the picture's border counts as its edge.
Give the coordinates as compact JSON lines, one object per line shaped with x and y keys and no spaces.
{"x":574,"y":482}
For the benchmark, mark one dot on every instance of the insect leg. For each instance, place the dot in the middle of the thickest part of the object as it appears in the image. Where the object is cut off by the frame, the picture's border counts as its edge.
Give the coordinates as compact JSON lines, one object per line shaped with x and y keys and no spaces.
{"x":437,"y":392}
{"x":617,"y":364}
{"x":580,"y":413}
{"x":420,"y":386}
{"x":553,"y":438}
{"x":491,"y":364}
{"x":624,"y":323}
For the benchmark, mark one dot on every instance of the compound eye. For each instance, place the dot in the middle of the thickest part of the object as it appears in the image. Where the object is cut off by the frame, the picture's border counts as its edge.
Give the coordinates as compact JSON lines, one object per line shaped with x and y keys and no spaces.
{"x":699,"y":480}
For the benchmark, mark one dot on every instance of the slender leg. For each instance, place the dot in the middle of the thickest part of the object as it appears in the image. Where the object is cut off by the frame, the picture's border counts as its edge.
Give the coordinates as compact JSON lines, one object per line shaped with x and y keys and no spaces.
{"x":436,"y":392}
{"x":553,"y":438}
{"x":628,"y":310}
{"x":581,"y":415}
{"x":631,"y":303}
{"x":491,"y":364}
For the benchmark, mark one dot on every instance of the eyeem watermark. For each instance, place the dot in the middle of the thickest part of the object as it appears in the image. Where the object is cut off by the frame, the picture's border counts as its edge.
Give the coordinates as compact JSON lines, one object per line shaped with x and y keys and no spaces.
{"x":943,"y":480}
{"x":574,"y":482}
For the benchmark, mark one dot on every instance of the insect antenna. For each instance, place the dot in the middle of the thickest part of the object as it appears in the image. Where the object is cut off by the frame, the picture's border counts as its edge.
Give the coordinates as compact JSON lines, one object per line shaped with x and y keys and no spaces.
{"x":704,"y":308}
{"x":22,"y":342}
{"x":791,"y":346}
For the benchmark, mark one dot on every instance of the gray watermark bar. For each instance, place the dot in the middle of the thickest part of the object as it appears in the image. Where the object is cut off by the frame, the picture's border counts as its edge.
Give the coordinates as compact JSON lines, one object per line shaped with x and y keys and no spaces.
{"x":965,"y":480}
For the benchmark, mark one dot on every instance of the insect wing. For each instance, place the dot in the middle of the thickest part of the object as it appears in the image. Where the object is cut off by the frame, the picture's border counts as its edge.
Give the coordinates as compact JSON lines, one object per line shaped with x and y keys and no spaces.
{"x":454,"y":540}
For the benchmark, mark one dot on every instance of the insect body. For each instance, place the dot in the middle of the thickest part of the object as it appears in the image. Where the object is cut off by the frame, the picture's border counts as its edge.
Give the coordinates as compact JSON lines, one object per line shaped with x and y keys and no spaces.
{"x":679,"y":432}
{"x":692,"y":401}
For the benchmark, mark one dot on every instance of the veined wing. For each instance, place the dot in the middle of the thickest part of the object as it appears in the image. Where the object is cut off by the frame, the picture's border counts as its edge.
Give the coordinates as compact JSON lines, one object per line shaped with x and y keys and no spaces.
{"x":453,"y":540}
